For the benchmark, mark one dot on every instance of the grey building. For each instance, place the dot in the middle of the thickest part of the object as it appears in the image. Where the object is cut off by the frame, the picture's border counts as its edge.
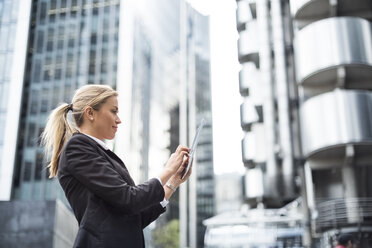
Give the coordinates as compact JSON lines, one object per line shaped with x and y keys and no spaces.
{"x":197,"y":196}
{"x":306,"y":81}
{"x":36,"y":224}
{"x":333,"y":72}
{"x":71,"y":43}
{"x":135,"y":49}
{"x":268,"y":112}
{"x":227,"y":199}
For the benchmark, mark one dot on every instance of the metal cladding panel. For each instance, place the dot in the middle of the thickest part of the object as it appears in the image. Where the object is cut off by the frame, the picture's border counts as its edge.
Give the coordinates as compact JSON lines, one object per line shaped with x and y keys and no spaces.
{"x":248,"y":114}
{"x":324,"y":45}
{"x":310,"y":10}
{"x":306,"y":9}
{"x":247,"y":152}
{"x":335,"y":119}
{"x":253,"y":145}
{"x":243,"y":13}
{"x":248,"y":78}
{"x":248,"y":44}
{"x":254,"y":185}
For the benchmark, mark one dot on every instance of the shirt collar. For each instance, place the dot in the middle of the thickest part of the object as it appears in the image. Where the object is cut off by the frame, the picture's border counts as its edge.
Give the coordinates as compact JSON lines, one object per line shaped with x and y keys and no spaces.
{"x":100,"y":142}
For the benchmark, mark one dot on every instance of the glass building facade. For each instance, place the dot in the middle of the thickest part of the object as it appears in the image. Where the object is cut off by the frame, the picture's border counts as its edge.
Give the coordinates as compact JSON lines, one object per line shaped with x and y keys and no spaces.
{"x":71,"y":43}
{"x":135,"y":49}
{"x":204,"y":161}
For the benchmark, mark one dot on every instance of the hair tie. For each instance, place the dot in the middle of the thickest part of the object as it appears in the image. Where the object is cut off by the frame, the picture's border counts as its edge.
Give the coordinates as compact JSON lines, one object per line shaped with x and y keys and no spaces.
{"x":69,"y":107}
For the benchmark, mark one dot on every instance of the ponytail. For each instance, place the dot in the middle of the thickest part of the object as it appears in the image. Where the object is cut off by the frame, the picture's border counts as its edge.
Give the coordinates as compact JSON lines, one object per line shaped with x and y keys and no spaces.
{"x":57,"y":131}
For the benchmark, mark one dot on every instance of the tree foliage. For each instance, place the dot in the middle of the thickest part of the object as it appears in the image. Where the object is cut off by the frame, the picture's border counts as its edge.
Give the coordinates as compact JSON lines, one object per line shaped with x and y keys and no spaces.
{"x":168,"y":235}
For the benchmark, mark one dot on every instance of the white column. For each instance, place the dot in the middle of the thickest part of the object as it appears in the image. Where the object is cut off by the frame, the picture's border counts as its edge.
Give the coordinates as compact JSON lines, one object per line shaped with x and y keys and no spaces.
{"x":14,"y":103}
{"x":183,"y":123}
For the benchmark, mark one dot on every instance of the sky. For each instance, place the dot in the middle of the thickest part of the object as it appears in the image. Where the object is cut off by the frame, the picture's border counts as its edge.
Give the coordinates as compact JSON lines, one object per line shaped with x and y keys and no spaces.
{"x":226,"y":99}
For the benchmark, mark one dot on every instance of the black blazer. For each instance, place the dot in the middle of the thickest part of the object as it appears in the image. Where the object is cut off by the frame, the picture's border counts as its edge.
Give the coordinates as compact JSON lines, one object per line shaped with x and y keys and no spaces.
{"x":111,"y":210}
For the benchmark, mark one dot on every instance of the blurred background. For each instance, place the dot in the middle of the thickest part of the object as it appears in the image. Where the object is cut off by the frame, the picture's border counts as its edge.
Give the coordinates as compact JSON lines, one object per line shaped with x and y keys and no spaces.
{"x":284,"y":159}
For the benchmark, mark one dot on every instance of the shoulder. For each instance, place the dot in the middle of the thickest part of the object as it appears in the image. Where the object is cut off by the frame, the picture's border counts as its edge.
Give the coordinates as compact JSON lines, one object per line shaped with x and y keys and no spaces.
{"x":80,"y":142}
{"x":80,"y":138}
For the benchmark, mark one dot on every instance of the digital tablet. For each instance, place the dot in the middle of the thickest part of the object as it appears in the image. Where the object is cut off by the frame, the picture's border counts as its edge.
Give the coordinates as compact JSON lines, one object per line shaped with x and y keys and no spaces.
{"x":193,"y":147}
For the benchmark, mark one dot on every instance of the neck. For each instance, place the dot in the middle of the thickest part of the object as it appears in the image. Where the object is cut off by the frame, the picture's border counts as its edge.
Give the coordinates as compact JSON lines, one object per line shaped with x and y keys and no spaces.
{"x":90,"y":131}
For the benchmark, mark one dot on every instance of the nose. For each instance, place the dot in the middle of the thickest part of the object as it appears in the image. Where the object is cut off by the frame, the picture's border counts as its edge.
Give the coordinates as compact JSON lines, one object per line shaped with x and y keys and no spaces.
{"x":118,"y":121}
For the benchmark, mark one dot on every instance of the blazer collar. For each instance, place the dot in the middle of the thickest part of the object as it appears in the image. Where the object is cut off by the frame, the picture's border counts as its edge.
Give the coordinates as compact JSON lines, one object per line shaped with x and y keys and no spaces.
{"x":100,"y":142}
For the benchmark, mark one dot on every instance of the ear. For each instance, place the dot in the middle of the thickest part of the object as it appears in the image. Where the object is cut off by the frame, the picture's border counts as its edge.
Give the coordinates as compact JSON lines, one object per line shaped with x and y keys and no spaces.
{"x":89,"y":113}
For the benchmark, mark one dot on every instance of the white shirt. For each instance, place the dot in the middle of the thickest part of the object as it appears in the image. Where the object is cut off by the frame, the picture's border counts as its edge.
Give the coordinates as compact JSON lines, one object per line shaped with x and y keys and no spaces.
{"x":163,"y":203}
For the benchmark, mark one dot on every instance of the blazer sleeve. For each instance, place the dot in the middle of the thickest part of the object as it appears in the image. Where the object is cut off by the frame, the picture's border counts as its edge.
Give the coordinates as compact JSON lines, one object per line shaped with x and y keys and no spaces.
{"x":151,"y":213}
{"x":96,"y":173}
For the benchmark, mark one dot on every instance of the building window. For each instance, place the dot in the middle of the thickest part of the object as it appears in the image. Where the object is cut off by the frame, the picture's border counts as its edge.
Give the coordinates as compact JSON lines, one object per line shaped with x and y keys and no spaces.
{"x":61,"y":37}
{"x":50,"y":39}
{"x":27,"y":171}
{"x":44,"y":106}
{"x":39,"y":171}
{"x":43,"y":12}
{"x":39,"y":41}
{"x":31,"y":135}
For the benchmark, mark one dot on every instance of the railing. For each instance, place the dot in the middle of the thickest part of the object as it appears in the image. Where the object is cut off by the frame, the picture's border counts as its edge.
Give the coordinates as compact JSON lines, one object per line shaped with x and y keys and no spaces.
{"x":339,"y":213}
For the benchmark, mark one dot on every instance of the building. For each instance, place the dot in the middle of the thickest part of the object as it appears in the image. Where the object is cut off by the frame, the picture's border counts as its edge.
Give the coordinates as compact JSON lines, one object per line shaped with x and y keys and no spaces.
{"x":14,"y":28}
{"x":305,"y":83}
{"x":333,"y":73}
{"x":228,"y":192}
{"x":268,"y":112}
{"x":197,"y":196}
{"x":70,"y":44}
{"x":136,"y":49}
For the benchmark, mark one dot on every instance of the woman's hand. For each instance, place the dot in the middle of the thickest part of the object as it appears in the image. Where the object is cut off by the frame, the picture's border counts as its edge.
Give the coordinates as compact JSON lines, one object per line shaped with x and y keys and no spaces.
{"x":176,"y":159}
{"x":177,"y":179}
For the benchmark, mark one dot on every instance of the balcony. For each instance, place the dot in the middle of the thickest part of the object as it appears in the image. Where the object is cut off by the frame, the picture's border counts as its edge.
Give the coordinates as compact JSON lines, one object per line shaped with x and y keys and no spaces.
{"x":248,"y":149}
{"x":307,"y":11}
{"x":253,"y":146}
{"x":335,"y":51}
{"x":333,"y":120}
{"x":341,"y":213}
{"x":248,"y":114}
{"x":254,"y":185}
{"x":248,"y":44}
{"x":245,"y":12}
{"x":249,"y":76}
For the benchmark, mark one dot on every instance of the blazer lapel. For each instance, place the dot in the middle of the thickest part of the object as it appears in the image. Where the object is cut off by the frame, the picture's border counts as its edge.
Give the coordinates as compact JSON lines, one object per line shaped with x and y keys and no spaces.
{"x":119,"y":166}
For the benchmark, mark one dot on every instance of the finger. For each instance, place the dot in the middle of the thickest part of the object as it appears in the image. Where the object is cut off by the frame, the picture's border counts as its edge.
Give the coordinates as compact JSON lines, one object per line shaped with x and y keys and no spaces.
{"x":181,"y":148}
{"x":188,"y":174}
{"x":185,"y":163}
{"x":185,"y":153}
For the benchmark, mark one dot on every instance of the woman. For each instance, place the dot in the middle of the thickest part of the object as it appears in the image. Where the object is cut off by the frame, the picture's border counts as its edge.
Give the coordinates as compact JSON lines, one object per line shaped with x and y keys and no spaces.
{"x":110,"y":209}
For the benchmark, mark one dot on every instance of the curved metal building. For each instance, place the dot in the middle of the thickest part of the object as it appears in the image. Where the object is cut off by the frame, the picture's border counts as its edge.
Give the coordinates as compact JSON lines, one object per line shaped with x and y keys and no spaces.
{"x":306,"y":82}
{"x":333,"y":55}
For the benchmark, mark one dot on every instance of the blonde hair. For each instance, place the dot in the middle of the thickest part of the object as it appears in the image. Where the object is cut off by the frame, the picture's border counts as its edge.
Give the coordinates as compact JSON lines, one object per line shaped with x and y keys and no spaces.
{"x":58,"y":129}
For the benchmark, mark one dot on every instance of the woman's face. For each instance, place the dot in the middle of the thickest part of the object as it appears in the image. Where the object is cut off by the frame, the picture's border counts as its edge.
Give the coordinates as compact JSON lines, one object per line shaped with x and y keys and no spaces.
{"x":106,"y":119}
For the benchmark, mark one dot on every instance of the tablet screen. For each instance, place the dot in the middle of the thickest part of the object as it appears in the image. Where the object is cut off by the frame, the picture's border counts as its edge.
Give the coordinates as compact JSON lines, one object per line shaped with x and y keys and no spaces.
{"x":193,"y":147}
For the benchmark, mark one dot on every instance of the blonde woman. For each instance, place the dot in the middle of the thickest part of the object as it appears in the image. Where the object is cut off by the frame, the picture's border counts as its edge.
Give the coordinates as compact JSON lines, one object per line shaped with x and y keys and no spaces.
{"x":110,"y":209}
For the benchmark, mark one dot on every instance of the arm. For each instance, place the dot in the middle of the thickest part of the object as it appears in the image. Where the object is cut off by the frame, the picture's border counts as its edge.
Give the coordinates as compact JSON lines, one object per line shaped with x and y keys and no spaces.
{"x":150,"y":214}
{"x":96,"y":173}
